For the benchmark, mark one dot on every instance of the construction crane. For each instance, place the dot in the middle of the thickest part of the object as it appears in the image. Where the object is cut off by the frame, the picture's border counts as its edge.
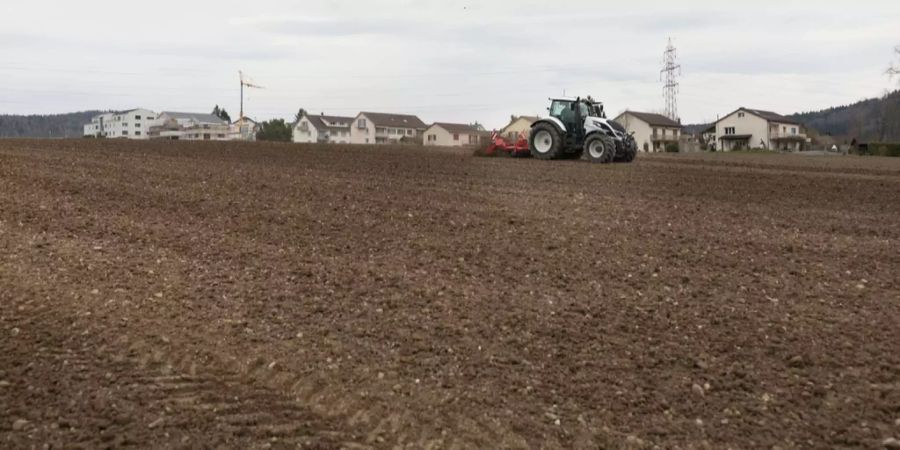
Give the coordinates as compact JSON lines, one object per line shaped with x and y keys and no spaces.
{"x":249,"y":84}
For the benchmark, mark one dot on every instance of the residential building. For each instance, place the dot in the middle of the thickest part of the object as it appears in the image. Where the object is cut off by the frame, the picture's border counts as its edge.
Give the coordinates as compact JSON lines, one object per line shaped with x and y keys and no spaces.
{"x":452,"y":135}
{"x":708,"y":138}
{"x":381,"y":128}
{"x":652,"y":132}
{"x":753,"y":128}
{"x":322,"y":129}
{"x":132,"y":124}
{"x":192,"y":127}
{"x":517,"y":126}
{"x":245,"y":131}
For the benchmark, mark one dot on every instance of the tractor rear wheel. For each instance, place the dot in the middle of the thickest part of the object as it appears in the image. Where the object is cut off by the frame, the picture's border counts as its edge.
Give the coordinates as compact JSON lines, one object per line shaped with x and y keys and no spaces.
{"x":630,"y":150}
{"x":599,"y":148}
{"x":546,"y":142}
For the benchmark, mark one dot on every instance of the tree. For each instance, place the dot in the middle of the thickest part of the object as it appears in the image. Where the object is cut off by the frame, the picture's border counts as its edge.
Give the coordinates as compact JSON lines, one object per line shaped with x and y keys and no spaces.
{"x":894,"y":70}
{"x":274,"y":130}
{"x":221,"y":113}
{"x":300,"y":113}
{"x":477,"y":126}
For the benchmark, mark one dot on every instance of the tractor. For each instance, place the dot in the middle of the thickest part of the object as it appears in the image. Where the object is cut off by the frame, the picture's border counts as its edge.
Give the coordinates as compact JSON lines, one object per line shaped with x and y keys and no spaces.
{"x":579,"y":127}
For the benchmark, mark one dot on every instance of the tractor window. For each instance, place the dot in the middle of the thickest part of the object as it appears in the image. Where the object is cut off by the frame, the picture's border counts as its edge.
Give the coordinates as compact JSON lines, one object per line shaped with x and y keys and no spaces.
{"x":558,"y":108}
{"x":583,"y":110}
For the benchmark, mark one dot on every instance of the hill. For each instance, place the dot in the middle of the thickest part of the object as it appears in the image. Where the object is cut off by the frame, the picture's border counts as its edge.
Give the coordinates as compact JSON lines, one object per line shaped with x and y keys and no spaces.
{"x":874,"y":119}
{"x":45,"y":126}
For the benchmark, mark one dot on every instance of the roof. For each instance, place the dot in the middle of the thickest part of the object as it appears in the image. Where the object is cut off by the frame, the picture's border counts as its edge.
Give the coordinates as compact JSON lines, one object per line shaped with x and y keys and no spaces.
{"x":767,"y":115}
{"x":336,"y":119}
{"x":198,"y":117}
{"x":658,"y":120}
{"x":456,"y":128}
{"x":395,"y":120}
{"x":710,"y":129}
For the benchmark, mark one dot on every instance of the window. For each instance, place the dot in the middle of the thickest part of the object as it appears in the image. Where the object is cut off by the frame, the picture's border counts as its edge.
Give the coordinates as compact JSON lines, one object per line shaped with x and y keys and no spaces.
{"x":664,"y":132}
{"x":784,"y":130}
{"x":124,"y":133}
{"x":455,"y":136}
{"x":137,"y":125}
{"x":794,"y":130}
{"x":361,"y":124}
{"x":740,"y":115}
{"x":137,"y":117}
{"x":125,"y":124}
{"x":409,"y":132}
{"x":137,"y":133}
{"x":729,"y":130}
{"x":655,"y":132}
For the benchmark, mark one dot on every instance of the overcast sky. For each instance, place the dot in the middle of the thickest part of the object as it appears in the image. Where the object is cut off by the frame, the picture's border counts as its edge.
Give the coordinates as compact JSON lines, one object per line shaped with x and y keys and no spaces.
{"x":450,"y":61}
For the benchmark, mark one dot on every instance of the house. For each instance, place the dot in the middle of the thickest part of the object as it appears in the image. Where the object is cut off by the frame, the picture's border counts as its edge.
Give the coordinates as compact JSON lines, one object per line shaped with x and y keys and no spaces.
{"x":191,"y":127}
{"x":708,"y":138}
{"x":653,"y":132}
{"x":754,"y":128}
{"x":243,"y":129}
{"x":381,"y":128}
{"x":132,"y":124}
{"x":452,"y":135}
{"x":518,"y":125}
{"x":322,"y":129}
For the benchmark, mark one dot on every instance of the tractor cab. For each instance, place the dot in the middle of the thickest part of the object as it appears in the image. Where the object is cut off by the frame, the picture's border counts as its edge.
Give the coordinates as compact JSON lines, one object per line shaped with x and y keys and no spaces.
{"x":572,"y":113}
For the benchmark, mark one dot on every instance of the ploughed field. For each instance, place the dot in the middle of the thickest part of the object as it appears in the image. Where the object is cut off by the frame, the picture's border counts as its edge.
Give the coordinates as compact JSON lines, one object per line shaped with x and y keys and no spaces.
{"x":191,"y":295}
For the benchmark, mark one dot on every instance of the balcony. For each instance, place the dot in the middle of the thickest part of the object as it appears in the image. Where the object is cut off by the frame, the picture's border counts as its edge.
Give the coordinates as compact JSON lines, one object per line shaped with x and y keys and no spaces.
{"x":664,"y":138}
{"x":781,"y":136}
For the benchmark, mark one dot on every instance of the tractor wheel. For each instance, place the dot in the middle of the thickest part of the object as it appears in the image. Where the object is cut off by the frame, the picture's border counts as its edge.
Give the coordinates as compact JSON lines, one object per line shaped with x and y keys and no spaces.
{"x":599,"y":148}
{"x":546,"y":142}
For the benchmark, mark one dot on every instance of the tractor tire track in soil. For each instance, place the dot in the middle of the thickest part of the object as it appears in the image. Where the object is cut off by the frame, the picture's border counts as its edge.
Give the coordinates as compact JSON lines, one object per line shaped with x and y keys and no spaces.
{"x":256,"y":296}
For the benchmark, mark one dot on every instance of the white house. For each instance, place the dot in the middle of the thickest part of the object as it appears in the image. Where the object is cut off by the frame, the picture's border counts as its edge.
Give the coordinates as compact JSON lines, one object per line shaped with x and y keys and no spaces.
{"x":518,"y":125}
{"x":243,"y":131}
{"x":381,"y":128}
{"x":322,"y":129}
{"x":133,"y":124}
{"x":452,"y":135}
{"x":191,"y":127}
{"x":753,"y":128}
{"x":651,"y":131}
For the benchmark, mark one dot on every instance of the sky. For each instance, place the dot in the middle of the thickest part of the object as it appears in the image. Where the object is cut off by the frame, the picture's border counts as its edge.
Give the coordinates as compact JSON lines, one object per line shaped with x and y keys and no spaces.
{"x":445,"y":61}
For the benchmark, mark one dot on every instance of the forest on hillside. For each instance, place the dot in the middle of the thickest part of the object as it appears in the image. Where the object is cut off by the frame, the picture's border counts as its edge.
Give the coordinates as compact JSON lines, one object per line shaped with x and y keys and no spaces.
{"x":875,"y":119}
{"x":69,"y":125}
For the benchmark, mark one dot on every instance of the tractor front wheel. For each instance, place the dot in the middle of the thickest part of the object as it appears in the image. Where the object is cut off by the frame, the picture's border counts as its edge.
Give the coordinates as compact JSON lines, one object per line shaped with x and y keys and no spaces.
{"x":599,"y":148}
{"x":546,"y":142}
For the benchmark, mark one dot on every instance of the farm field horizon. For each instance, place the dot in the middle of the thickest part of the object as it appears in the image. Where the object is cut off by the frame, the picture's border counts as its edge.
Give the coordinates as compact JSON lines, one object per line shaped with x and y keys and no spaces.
{"x":260,"y":295}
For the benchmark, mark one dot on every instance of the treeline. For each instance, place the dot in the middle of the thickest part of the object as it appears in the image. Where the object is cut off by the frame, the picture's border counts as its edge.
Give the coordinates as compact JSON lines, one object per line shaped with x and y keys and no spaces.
{"x":69,"y":125}
{"x":875,"y":119}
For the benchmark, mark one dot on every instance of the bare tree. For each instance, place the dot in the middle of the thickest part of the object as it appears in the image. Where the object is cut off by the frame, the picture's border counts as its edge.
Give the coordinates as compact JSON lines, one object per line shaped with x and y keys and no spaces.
{"x":894,"y":69}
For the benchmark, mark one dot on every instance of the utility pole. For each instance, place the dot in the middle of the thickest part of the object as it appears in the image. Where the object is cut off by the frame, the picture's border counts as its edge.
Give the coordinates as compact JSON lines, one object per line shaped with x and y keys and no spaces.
{"x":669,"y":76}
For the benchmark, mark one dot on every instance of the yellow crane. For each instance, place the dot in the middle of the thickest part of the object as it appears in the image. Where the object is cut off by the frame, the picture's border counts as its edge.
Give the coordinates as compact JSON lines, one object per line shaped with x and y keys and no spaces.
{"x":245,"y":82}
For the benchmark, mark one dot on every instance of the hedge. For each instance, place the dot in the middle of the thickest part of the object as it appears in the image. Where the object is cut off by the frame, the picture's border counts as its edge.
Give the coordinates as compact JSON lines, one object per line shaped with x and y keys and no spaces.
{"x":880,"y":149}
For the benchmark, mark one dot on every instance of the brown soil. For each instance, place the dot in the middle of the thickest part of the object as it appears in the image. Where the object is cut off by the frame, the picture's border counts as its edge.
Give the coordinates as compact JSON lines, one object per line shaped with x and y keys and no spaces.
{"x":253,"y":296}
